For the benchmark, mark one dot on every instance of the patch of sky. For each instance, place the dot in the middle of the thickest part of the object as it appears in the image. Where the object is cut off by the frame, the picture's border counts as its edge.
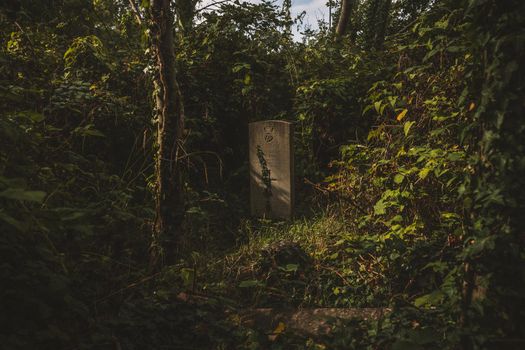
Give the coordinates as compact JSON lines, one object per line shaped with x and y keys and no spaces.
{"x":315,"y":11}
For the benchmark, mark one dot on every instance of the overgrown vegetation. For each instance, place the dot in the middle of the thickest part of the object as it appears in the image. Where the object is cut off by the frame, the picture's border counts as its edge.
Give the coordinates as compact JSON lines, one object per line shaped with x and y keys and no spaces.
{"x":410,"y":169}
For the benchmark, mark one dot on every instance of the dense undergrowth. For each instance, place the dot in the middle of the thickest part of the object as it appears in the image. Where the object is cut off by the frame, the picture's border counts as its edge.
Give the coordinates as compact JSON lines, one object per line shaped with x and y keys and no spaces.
{"x":409,"y":162}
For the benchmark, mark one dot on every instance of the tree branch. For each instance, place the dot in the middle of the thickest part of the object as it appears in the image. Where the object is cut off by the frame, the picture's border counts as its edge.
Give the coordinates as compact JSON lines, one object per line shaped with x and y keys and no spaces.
{"x":136,"y":11}
{"x":210,"y":5}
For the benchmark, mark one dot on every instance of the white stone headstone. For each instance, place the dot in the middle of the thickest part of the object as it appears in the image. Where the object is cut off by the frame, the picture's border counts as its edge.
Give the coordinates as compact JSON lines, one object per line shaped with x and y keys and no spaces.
{"x":271,"y":169}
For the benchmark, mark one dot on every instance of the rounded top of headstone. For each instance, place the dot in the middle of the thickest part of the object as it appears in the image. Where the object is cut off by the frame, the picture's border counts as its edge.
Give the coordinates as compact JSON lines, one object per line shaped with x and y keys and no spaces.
{"x":272,"y":121}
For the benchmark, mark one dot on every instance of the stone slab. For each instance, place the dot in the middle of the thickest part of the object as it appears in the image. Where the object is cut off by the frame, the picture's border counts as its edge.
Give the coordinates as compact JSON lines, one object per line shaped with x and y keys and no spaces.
{"x":312,"y":322}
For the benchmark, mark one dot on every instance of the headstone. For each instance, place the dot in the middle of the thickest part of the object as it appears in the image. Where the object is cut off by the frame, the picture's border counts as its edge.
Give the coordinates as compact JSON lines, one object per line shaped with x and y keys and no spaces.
{"x":271,"y":169}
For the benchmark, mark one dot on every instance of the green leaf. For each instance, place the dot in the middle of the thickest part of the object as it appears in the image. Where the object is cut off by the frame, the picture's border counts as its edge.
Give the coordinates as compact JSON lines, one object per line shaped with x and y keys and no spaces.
{"x":382,"y":109}
{"x":442,"y":24}
{"x":456,"y":48}
{"x":380,"y":207}
{"x":240,"y":66}
{"x":93,"y":132}
{"x":251,"y":283}
{"x":23,"y":195}
{"x":436,"y":266}
{"x":424,"y":173}
{"x":88,"y":130}
{"x":434,"y":298}
{"x":407,"y":126}
{"x":377,"y":106}
{"x":247,"y":79}
{"x":195,"y":211}
{"x":188,"y":276}
{"x":34,"y":116}
{"x":367,"y":108}
{"x":291,"y":267}
{"x":455,"y":156}
{"x":73,"y":216}
{"x":392,"y":100}
{"x":399,"y":178}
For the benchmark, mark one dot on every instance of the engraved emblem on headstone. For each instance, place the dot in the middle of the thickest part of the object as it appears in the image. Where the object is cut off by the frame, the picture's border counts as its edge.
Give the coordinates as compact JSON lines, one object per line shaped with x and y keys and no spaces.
{"x":268,"y":134}
{"x":271,"y":169}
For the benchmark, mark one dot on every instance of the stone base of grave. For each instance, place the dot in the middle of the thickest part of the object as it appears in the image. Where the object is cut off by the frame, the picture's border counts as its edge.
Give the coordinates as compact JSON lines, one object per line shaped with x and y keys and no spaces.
{"x":308,"y":322}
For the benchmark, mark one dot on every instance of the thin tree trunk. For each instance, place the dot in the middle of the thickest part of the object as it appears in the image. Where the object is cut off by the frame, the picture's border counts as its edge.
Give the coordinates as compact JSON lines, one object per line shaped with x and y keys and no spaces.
{"x":383,"y":21}
{"x":344,"y":17}
{"x":169,"y":204}
{"x":371,"y":20}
